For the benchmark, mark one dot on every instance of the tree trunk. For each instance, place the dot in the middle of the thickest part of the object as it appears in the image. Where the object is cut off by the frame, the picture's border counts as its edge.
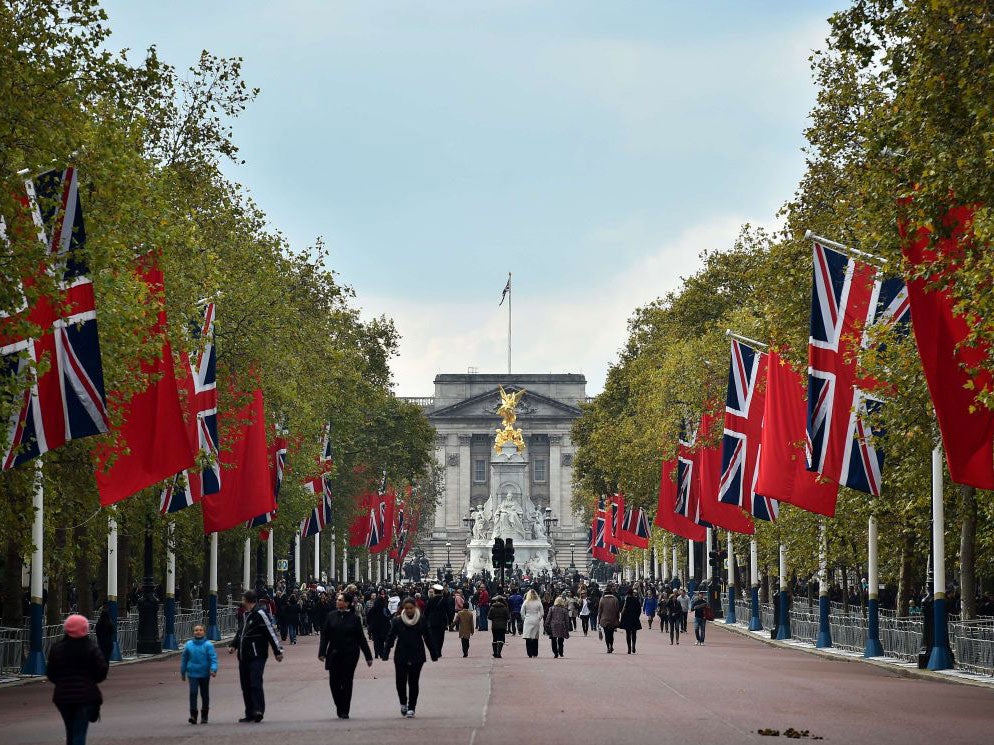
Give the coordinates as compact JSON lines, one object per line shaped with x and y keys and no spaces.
{"x":764,"y":586}
{"x":904,"y":588}
{"x":845,"y":589}
{"x":967,"y":550}
{"x":57,"y":600}
{"x":82,"y":573}
{"x":12,"y":592}
{"x":123,"y":571}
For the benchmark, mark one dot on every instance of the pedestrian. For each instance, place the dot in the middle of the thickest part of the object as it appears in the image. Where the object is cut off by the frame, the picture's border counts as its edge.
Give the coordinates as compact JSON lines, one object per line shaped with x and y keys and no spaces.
{"x":482,"y":607}
{"x":199,"y":664}
{"x":252,"y":641}
{"x":341,"y":641}
{"x":411,"y":634}
{"x":499,"y":616}
{"x":584,"y":611}
{"x":649,"y":606}
{"x":532,"y":620}
{"x":609,"y":616}
{"x":291,"y":616}
{"x":465,"y":626}
{"x":630,"y":612}
{"x":684,"y":610}
{"x":378,"y":624}
{"x":104,"y":630}
{"x":557,"y":626}
{"x":514,"y":603}
{"x":700,"y":608}
{"x":675,"y":613}
{"x":437,"y":617}
{"x":76,"y":665}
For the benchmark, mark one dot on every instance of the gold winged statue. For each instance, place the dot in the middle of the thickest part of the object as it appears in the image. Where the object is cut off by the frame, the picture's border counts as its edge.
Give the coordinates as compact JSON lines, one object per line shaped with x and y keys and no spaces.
{"x":508,"y":403}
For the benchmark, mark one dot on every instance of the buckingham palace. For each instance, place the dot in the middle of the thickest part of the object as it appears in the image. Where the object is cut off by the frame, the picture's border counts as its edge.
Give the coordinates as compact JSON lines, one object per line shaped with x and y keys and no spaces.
{"x":464,"y":413}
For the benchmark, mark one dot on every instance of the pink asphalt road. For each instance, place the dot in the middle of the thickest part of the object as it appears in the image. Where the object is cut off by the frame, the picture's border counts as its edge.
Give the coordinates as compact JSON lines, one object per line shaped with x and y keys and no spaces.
{"x":721,"y":693}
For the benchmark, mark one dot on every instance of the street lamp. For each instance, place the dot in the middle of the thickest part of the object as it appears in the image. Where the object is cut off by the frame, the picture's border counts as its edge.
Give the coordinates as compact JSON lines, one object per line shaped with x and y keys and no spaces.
{"x":572,"y":562}
{"x":550,"y":523}
{"x":448,"y":555}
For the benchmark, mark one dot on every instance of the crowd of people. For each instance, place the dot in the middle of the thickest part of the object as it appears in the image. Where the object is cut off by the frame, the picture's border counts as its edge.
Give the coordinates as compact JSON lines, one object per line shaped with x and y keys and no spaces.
{"x":409,"y":621}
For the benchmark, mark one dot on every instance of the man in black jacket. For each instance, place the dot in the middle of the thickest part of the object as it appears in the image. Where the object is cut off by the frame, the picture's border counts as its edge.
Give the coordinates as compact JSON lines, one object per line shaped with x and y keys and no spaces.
{"x":437,"y":617}
{"x":341,"y":641}
{"x":252,"y":642}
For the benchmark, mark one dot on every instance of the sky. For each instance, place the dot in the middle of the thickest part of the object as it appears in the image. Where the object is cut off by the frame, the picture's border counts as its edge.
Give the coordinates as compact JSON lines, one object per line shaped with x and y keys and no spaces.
{"x":592,"y":149}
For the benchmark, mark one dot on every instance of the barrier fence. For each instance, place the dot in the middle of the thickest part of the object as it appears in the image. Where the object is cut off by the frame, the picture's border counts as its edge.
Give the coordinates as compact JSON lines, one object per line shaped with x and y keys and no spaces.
{"x":901,"y":637}
{"x":15,"y":642}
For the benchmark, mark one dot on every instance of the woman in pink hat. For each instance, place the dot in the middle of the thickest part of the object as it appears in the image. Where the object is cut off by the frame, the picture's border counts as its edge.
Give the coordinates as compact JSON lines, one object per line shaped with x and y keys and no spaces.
{"x":76,"y":665}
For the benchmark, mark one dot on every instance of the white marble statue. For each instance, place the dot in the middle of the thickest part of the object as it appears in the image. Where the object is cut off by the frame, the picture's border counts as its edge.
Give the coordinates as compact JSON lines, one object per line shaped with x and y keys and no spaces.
{"x":507,"y":519}
{"x":538,"y":526}
{"x":479,"y":523}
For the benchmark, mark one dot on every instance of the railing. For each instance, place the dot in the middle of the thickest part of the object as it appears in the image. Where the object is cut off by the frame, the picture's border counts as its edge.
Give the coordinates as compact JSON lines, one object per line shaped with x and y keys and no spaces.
{"x":901,"y":638}
{"x":227,"y":619}
{"x":11,"y":650}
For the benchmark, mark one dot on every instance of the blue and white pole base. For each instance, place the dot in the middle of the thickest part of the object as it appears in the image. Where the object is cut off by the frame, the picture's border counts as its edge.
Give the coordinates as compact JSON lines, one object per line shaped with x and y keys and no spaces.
{"x":873,"y":646}
{"x":755,"y":621}
{"x":115,"y":650}
{"x":34,"y":663}
{"x":730,"y":615}
{"x":783,"y":629}
{"x":824,"y":640}
{"x":940,"y":658}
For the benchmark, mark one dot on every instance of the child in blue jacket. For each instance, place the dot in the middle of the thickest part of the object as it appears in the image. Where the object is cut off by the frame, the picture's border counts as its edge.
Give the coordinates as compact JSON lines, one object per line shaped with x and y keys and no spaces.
{"x":649,"y":605}
{"x":199,"y":664}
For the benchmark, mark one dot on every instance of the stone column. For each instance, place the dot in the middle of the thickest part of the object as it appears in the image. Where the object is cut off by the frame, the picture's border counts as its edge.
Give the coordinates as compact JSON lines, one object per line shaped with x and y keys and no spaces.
{"x":442,"y":456}
{"x":555,"y":475}
{"x":458,"y":498}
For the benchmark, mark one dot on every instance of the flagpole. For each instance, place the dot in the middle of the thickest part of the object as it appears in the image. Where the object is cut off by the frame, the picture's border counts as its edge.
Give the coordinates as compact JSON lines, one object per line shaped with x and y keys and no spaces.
{"x":509,"y":293}
{"x":169,"y":609}
{"x":247,"y":565}
{"x":270,"y":564}
{"x":115,"y":653}
{"x":213,"y":632}
{"x":34,"y":662}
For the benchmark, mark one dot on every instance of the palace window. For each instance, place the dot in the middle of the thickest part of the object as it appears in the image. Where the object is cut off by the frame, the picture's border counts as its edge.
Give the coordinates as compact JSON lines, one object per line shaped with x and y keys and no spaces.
{"x":540,"y":470}
{"x":480,"y":471}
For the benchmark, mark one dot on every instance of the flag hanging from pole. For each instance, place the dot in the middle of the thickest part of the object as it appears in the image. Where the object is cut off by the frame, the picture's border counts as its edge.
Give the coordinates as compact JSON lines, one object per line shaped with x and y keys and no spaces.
{"x":708,"y":459}
{"x":67,"y":401}
{"x":667,"y":517}
{"x":507,"y":290}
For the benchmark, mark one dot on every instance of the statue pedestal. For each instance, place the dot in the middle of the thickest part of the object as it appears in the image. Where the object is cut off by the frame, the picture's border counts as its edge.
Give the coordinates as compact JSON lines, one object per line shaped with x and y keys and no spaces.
{"x":530,"y":555}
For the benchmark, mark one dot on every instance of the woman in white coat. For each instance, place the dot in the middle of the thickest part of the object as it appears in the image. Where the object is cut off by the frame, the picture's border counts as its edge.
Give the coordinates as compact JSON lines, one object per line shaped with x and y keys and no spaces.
{"x":533,"y":614}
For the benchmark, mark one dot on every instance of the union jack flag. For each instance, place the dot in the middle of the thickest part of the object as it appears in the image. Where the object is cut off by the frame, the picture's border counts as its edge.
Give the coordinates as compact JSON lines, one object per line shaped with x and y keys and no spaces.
{"x":67,"y":401}
{"x":320,"y":516}
{"x":740,"y":445}
{"x":278,"y":466}
{"x":846,"y":299}
{"x":377,"y":516}
{"x":636,"y":528}
{"x":615,"y":531}
{"x":188,"y":488}
{"x":599,"y":548}
{"x":400,"y":532}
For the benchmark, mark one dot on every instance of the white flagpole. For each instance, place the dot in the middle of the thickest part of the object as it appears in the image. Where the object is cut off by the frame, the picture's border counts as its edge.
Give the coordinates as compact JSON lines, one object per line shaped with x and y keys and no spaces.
{"x":509,"y":292}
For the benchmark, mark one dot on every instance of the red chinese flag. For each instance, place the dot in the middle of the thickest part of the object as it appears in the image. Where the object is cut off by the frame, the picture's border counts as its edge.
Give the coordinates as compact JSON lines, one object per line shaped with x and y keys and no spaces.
{"x":359,"y":530}
{"x":152,"y":444}
{"x":783,"y":470}
{"x":666,"y":517}
{"x":614,"y":533}
{"x":967,"y":426}
{"x":713,"y":511}
{"x":246,"y":489}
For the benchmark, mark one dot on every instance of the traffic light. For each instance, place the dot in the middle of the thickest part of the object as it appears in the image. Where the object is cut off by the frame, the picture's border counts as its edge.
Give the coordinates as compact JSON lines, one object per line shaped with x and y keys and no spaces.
{"x":509,"y":554}
{"x":497,"y":553}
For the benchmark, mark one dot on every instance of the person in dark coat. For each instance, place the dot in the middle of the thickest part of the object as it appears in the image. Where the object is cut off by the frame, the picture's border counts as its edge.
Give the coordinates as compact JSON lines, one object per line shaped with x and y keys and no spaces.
{"x":378,"y":623}
{"x":609,"y":616}
{"x":437,"y":617}
{"x":411,"y":635}
{"x":675,"y":613}
{"x":341,"y":641}
{"x":630,"y":612}
{"x":104,"y":630}
{"x":252,"y":641}
{"x":499,"y":616}
{"x":557,"y":626}
{"x":76,"y":666}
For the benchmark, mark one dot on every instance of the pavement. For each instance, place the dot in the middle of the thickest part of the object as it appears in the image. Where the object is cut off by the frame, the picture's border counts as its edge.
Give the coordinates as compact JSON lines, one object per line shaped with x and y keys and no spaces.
{"x":723,"y":692}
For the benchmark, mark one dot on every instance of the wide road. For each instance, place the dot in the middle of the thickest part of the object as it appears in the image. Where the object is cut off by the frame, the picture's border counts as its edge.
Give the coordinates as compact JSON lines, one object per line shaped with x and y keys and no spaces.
{"x":721,"y":693}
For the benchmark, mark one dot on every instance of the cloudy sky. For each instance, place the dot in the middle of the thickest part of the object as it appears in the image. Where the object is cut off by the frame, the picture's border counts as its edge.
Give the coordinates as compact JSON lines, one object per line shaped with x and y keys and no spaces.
{"x":593,"y":149}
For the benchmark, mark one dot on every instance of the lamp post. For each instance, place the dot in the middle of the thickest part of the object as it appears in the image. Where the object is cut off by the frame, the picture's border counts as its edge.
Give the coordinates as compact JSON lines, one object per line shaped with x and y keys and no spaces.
{"x":448,"y":555}
{"x":572,"y":559}
{"x":550,"y":523}
{"x":148,"y":606}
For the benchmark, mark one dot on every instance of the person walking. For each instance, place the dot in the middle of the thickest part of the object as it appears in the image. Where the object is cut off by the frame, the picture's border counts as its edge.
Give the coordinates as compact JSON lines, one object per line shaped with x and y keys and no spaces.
{"x":649,"y":606}
{"x":514,"y":603}
{"x":700,"y":608}
{"x":684,"y":610}
{"x":104,"y":630}
{"x":532,"y":618}
{"x":76,"y":665}
{"x":291,"y":616}
{"x":437,"y":617}
{"x":252,"y":642}
{"x":341,"y":641}
{"x":609,"y":616}
{"x":674,"y":612}
{"x":465,"y":626}
{"x":482,"y":607}
{"x":499,"y":616}
{"x":199,"y":664}
{"x":411,"y":635}
{"x":378,"y":623}
{"x":584,"y":612}
{"x":631,"y":609}
{"x":557,"y":626}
